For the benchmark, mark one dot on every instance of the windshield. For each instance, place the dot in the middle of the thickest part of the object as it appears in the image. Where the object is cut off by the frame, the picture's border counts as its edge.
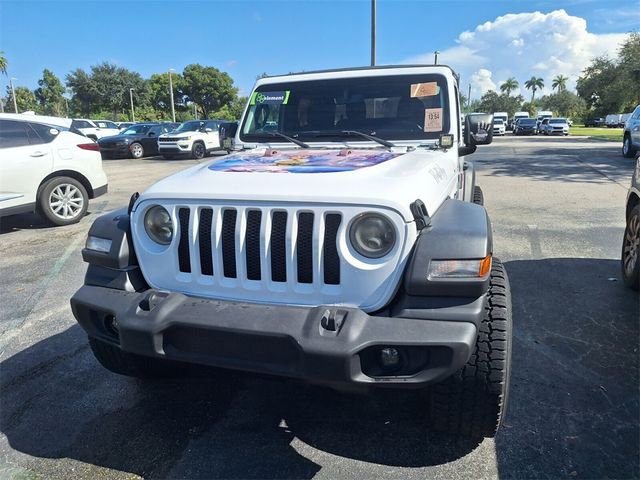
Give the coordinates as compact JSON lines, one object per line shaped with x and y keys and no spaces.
{"x":400,"y":107}
{"x":136,"y":130}
{"x":192,"y":126}
{"x":498,"y":121}
{"x":558,"y":120}
{"x":527,"y":121}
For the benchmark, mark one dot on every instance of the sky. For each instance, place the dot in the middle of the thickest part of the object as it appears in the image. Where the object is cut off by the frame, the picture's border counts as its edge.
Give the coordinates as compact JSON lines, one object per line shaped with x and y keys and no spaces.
{"x":485,"y":41}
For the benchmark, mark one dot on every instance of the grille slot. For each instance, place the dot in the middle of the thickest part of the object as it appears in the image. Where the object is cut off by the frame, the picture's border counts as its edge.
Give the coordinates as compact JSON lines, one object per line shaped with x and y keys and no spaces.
{"x":252,"y":244}
{"x":331,"y":258}
{"x":204,"y":241}
{"x":304,"y":245}
{"x":184,"y":263}
{"x":279,"y":247}
{"x":228,"y":243}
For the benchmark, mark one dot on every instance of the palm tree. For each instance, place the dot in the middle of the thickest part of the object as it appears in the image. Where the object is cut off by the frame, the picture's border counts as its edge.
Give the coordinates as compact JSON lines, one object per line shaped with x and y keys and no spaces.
{"x":3,"y":63}
{"x":560,"y":82}
{"x":533,"y":84}
{"x":509,"y":85}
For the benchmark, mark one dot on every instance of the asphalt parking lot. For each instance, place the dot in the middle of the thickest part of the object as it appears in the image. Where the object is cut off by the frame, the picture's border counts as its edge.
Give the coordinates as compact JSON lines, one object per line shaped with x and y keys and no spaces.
{"x":557,"y":207}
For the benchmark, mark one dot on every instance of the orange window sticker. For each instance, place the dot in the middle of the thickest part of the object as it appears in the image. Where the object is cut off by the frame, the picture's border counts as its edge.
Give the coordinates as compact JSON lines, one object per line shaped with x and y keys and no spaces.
{"x":428,"y":89}
{"x":432,"y":119}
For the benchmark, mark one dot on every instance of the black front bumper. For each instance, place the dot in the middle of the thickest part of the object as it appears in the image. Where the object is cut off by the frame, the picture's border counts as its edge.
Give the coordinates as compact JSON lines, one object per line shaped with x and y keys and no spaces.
{"x":121,"y":151}
{"x":292,"y":341}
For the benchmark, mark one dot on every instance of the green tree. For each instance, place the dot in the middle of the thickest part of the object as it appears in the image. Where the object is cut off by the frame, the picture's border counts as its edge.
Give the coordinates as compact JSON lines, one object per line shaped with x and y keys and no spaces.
{"x":492,"y":102}
{"x":25,"y":99}
{"x":3,"y":63}
{"x":49,"y":94}
{"x":509,"y":85}
{"x":159,"y":96}
{"x":107,"y":88}
{"x":207,"y":87}
{"x":559,"y":83}
{"x":565,"y":104}
{"x":533,"y":84}
{"x":613,"y":85}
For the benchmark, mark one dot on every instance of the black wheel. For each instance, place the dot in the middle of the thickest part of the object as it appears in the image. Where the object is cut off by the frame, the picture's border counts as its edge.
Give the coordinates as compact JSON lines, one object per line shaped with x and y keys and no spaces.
{"x":473,"y":401}
{"x":123,"y":363}
{"x":137,"y":150}
{"x":63,"y":201}
{"x":630,"y":257}
{"x":198,"y":151}
{"x":627,"y":148}
{"x":478,"y":196}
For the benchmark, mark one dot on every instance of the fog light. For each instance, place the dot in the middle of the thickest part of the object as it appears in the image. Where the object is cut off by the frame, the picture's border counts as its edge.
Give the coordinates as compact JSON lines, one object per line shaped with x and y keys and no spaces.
{"x":389,"y":358}
{"x":111,"y":324}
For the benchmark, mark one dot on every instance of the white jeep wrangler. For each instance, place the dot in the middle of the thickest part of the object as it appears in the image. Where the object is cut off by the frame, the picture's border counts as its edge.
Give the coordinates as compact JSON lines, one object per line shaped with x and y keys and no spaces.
{"x":346,"y":244}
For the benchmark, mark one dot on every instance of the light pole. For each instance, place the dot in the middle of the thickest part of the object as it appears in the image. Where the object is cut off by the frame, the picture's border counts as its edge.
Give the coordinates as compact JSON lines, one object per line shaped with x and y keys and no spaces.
{"x":373,"y":33}
{"x":133,"y":115}
{"x":435,"y":60}
{"x":173,"y":108}
{"x":13,"y":94}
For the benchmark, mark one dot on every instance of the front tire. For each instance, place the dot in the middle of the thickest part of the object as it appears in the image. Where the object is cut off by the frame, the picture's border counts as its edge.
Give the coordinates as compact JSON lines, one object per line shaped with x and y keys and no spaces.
{"x":198,"y":151}
{"x":137,"y":150}
{"x":627,"y":148}
{"x":63,"y":201}
{"x":473,"y":401}
{"x":630,"y":257}
{"x":131,"y":365}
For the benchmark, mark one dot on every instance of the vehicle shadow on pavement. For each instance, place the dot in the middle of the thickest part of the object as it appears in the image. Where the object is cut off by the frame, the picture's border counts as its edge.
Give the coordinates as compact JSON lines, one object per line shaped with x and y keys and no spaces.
{"x":25,"y":221}
{"x":591,"y":164}
{"x":59,"y":403}
{"x":574,"y":403}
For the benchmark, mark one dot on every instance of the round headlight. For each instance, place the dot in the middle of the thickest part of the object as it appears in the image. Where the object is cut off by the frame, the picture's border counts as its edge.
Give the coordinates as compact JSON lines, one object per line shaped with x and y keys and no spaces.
{"x":372,"y":235}
{"x":158,"y":225}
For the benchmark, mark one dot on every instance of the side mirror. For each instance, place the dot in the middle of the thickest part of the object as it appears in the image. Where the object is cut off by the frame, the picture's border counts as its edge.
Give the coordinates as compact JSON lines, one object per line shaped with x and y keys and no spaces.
{"x":478,"y":129}
{"x":152,"y":134}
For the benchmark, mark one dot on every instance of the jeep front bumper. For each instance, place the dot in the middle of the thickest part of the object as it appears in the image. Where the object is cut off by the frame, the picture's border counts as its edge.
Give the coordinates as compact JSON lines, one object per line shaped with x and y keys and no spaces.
{"x":331,"y":345}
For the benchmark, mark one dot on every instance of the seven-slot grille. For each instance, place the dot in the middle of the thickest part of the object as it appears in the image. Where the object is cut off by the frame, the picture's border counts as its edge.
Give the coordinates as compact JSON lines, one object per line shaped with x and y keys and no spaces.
{"x":170,"y":139}
{"x":255,"y":244}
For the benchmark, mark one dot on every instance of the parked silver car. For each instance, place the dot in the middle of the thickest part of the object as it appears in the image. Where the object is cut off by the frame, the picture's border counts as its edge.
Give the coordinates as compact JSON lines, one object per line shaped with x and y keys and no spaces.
{"x":555,"y":126}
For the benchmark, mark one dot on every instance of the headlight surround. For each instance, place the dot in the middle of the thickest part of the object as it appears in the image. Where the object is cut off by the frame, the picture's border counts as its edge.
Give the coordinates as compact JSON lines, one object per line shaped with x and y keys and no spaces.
{"x":372,"y":235}
{"x":158,"y":225}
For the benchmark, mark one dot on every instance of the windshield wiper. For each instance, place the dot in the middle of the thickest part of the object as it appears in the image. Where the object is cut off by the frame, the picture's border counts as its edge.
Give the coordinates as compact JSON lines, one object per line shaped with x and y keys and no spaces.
{"x":287,"y":137}
{"x":360,"y":134}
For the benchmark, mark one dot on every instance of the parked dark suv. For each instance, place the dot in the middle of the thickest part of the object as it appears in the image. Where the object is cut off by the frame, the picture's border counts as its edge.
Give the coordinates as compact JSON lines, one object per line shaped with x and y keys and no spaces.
{"x":136,"y":141}
{"x":526,"y":126}
{"x":594,"y":122}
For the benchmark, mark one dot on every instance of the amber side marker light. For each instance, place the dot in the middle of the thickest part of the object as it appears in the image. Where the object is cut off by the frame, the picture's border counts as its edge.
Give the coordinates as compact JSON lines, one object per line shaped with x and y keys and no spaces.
{"x":443,"y":269}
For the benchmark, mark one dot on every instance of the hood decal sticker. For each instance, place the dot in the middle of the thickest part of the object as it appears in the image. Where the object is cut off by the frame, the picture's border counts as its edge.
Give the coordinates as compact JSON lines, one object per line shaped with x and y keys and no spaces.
{"x":302,"y":161}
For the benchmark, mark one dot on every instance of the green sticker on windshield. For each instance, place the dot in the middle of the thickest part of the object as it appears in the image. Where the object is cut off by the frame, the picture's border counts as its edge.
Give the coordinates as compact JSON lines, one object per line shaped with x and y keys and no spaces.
{"x":270,"y":98}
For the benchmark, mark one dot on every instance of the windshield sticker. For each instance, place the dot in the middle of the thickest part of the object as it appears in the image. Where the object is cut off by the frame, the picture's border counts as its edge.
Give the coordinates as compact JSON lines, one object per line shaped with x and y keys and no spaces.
{"x":270,"y":98}
{"x":428,"y":89}
{"x":432,"y":119}
{"x":306,"y":161}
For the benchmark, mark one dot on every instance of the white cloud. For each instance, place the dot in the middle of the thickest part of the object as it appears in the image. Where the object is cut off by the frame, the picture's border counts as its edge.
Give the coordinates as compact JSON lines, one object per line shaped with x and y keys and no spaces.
{"x":522,"y":45}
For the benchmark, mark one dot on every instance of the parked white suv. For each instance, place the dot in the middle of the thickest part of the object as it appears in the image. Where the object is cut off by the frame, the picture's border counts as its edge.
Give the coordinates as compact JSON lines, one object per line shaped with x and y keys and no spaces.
{"x":46,"y":168}
{"x":195,"y":138}
{"x":95,"y":129}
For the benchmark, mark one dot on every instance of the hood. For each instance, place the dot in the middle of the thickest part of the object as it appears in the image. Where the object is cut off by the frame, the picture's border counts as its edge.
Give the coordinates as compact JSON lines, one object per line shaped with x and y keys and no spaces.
{"x":376,"y":177}
{"x":116,"y":138}
{"x":178,"y":134}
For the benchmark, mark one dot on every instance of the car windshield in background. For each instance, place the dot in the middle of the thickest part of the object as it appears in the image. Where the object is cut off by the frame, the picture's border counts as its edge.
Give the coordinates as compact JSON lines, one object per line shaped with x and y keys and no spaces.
{"x":105,"y":124}
{"x":527,"y":121}
{"x":399,"y":107}
{"x":136,"y":130}
{"x":192,"y":126}
{"x":558,"y":120}
{"x":498,"y":121}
